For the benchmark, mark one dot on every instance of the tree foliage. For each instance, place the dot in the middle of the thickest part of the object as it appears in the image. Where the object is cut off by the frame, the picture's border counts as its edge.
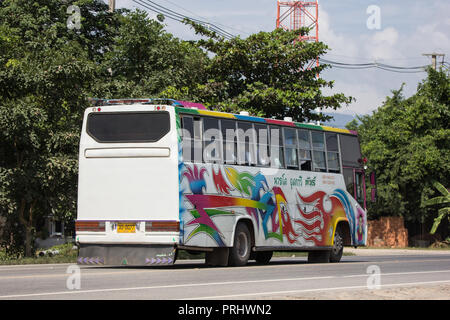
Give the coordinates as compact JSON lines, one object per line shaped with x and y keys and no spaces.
{"x":407,"y":143}
{"x":48,"y":71}
{"x":267,"y":74}
{"x":443,"y":202}
{"x":145,"y":59}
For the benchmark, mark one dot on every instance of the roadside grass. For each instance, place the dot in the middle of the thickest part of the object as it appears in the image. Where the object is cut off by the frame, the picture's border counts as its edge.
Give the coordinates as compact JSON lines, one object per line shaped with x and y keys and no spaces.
{"x":66,"y":254}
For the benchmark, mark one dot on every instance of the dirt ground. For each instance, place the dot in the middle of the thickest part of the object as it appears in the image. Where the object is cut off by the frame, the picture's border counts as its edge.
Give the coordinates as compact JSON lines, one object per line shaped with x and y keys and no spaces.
{"x":428,"y":292}
{"x":422,"y":292}
{"x":381,"y":251}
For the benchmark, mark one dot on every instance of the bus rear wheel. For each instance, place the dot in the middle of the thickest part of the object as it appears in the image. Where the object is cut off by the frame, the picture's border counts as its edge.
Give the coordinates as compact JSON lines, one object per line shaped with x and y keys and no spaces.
{"x":240,"y":252}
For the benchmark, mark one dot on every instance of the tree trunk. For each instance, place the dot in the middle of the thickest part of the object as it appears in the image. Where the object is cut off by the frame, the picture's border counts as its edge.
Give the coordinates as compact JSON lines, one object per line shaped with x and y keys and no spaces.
{"x":28,"y":240}
{"x":28,"y":224}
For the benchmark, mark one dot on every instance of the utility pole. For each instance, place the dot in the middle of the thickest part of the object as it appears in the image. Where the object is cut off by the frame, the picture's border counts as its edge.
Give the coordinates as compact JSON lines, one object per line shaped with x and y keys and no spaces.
{"x":434,"y":58}
{"x":112,"y":5}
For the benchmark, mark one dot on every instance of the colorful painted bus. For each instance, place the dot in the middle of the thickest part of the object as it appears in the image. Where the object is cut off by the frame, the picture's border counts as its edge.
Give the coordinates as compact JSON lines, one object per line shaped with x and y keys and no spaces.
{"x":157,"y":176}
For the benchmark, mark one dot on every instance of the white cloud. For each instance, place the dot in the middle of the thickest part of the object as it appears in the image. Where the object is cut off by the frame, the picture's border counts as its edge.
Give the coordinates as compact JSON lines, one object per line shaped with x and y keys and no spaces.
{"x":408,"y":29}
{"x":383,"y":45}
{"x":394,"y":44}
{"x":388,"y":36}
{"x":339,"y":44}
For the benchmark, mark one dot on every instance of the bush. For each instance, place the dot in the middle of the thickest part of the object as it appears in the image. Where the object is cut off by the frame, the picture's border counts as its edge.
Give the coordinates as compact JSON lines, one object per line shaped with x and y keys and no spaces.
{"x":66,"y":254}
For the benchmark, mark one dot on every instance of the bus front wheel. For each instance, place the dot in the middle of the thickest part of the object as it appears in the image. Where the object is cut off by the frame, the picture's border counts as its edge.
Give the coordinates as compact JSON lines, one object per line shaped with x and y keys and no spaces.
{"x":240,"y":252}
{"x":338,"y":246}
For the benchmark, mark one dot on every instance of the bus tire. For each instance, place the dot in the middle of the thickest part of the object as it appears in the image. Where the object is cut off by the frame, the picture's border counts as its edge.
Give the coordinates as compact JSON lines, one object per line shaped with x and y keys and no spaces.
{"x":263,"y":257}
{"x":240,"y":252}
{"x":175,"y":256}
{"x":338,"y":246}
{"x":319,"y":256}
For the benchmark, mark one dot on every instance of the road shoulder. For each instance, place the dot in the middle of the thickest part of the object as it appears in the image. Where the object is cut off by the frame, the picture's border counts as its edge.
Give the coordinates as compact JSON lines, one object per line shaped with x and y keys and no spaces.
{"x":384,"y":252}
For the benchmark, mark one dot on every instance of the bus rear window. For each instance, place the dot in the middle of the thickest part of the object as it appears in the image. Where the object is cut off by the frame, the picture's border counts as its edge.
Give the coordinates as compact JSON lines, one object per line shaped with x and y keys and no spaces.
{"x":128,"y":126}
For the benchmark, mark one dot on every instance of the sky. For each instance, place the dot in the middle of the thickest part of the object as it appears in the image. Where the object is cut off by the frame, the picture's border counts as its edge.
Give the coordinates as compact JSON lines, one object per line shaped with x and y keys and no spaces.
{"x":357,"y":31}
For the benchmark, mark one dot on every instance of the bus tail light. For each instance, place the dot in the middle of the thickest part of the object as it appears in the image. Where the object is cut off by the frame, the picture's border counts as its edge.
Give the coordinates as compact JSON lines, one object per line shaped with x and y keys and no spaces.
{"x":162,"y":226}
{"x":93,"y":226}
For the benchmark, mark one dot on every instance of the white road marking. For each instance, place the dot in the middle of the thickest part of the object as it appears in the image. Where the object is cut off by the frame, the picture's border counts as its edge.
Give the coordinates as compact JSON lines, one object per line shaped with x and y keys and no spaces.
{"x":396,"y":273}
{"x":315,"y":290}
{"x":159,"y":287}
{"x":219,"y":284}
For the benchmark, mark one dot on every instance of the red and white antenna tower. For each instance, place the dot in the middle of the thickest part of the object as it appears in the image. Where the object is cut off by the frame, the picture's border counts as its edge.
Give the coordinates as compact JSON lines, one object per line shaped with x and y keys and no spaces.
{"x":293,"y":15}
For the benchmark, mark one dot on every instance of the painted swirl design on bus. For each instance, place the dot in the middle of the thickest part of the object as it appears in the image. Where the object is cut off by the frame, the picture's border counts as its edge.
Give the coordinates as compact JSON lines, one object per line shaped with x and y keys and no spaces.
{"x":318,"y":216}
{"x":311,"y":225}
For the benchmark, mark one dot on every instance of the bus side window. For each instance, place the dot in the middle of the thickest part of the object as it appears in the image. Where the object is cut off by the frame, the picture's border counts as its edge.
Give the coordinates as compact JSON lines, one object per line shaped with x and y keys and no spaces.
{"x":262,"y":134}
{"x":318,"y":144}
{"x":348,"y":178}
{"x":290,"y":147}
{"x":276,"y":147}
{"x":333,"y":162}
{"x":304,"y":143}
{"x":359,"y":186}
{"x":198,"y":143}
{"x":187,"y":134}
{"x":213,"y":140}
{"x":246,"y":144}
{"x":350,"y":151}
{"x":228,"y":128}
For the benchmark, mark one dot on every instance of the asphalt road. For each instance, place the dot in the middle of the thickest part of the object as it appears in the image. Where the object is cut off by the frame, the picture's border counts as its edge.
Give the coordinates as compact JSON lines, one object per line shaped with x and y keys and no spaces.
{"x":283,"y":278}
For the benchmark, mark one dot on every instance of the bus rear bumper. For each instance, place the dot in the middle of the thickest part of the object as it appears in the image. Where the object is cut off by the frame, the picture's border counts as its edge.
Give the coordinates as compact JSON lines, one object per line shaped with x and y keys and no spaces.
{"x":134,"y":255}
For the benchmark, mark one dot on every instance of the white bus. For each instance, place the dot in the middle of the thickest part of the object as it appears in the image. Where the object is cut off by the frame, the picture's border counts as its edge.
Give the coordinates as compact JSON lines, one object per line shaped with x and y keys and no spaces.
{"x":159,"y":176}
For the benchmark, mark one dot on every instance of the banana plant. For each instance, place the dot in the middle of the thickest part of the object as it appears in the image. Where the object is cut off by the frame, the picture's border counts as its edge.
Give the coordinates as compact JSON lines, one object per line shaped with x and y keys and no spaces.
{"x":441,"y":200}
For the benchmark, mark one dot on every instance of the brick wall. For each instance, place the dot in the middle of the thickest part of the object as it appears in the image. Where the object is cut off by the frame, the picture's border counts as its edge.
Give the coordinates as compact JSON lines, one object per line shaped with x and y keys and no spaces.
{"x":387,"y":232}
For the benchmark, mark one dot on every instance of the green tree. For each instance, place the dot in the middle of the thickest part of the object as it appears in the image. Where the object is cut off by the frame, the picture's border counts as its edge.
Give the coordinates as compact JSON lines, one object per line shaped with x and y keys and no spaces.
{"x":443,"y":200}
{"x":46,"y":72}
{"x":266,"y":74}
{"x":407,"y":143}
{"x":145,"y":59}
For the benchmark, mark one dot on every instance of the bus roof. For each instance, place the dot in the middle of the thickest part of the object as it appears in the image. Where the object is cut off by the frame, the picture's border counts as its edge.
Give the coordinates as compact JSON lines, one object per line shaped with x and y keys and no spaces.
{"x":200,"y":109}
{"x":263,"y":120}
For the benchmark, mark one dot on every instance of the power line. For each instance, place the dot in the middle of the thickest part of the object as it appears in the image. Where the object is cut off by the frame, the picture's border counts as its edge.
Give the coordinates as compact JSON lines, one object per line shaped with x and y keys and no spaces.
{"x":195,"y":14}
{"x":174,"y":15}
{"x":382,"y":66}
{"x":180,"y":17}
{"x":381,"y":59}
{"x":193,"y":19}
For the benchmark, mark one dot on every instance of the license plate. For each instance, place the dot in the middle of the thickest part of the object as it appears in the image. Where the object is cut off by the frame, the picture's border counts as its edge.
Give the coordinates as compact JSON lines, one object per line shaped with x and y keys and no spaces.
{"x":126,"y":228}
